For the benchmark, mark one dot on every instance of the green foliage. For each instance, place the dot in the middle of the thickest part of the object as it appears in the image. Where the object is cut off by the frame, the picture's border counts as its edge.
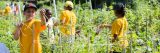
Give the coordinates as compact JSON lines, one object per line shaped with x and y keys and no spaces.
{"x":143,"y":30}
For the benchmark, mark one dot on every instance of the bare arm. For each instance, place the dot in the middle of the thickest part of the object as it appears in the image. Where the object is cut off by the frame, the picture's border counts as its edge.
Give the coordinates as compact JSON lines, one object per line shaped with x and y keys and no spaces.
{"x":17,"y":32}
{"x":105,"y":26}
{"x":115,"y":36}
{"x":100,"y":27}
{"x":43,"y":19}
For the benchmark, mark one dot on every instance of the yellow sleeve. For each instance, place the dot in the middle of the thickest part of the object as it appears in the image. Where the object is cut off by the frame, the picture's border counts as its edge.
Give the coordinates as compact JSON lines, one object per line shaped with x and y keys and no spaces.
{"x":63,"y":17}
{"x":74,"y":19}
{"x":38,"y":26}
{"x":116,"y":27}
{"x":126,"y":25}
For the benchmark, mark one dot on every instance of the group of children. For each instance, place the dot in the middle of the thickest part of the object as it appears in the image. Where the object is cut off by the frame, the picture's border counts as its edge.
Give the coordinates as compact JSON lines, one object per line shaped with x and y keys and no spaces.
{"x":13,"y":8}
{"x":28,"y":31}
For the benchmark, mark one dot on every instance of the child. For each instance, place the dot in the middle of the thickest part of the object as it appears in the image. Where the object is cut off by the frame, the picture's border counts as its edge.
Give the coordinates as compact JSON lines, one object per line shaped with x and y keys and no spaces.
{"x":67,"y":25}
{"x":50,"y":23}
{"x":68,"y":20}
{"x":118,"y":28}
{"x":16,"y":9}
{"x":29,"y":31}
{"x":7,"y":10}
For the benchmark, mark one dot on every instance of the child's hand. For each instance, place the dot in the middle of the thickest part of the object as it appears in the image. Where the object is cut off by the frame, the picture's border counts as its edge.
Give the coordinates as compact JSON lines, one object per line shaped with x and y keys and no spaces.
{"x":17,"y":32}
{"x":99,"y":28}
{"x":42,"y":14}
{"x":19,"y":25}
{"x":115,"y":37}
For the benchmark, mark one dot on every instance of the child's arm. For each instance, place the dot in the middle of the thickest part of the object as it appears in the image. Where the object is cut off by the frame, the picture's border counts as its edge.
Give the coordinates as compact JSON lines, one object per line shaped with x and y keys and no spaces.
{"x":100,"y":27}
{"x":43,"y":19}
{"x":104,"y":26}
{"x":63,"y":18}
{"x":115,"y":36}
{"x":17,"y":32}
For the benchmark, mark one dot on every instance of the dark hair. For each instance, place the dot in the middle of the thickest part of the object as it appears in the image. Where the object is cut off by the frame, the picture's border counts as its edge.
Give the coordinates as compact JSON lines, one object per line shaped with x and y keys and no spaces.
{"x":47,"y":11}
{"x":69,"y":8}
{"x":120,"y":9}
{"x":120,"y":12}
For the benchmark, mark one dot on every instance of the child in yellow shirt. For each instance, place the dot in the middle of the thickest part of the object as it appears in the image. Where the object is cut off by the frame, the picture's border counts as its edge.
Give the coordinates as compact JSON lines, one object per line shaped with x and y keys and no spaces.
{"x":118,"y":28}
{"x":29,"y":31}
{"x":68,"y":20}
{"x":7,"y":9}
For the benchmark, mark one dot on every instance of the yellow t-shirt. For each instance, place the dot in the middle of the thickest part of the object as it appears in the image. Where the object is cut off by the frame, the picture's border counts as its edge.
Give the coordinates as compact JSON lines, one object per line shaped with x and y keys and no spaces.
{"x":7,"y":10}
{"x":30,"y":36}
{"x":68,"y":28}
{"x":119,"y":27}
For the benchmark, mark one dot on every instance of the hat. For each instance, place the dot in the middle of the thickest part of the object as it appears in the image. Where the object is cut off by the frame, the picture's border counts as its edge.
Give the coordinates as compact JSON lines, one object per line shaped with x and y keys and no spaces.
{"x":30,"y":5}
{"x":69,"y":3}
{"x":118,"y":6}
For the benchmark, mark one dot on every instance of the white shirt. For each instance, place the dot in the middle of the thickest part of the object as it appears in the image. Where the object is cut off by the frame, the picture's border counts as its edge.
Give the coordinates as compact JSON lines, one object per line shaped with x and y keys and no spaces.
{"x":3,"y":48}
{"x":50,"y":24}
